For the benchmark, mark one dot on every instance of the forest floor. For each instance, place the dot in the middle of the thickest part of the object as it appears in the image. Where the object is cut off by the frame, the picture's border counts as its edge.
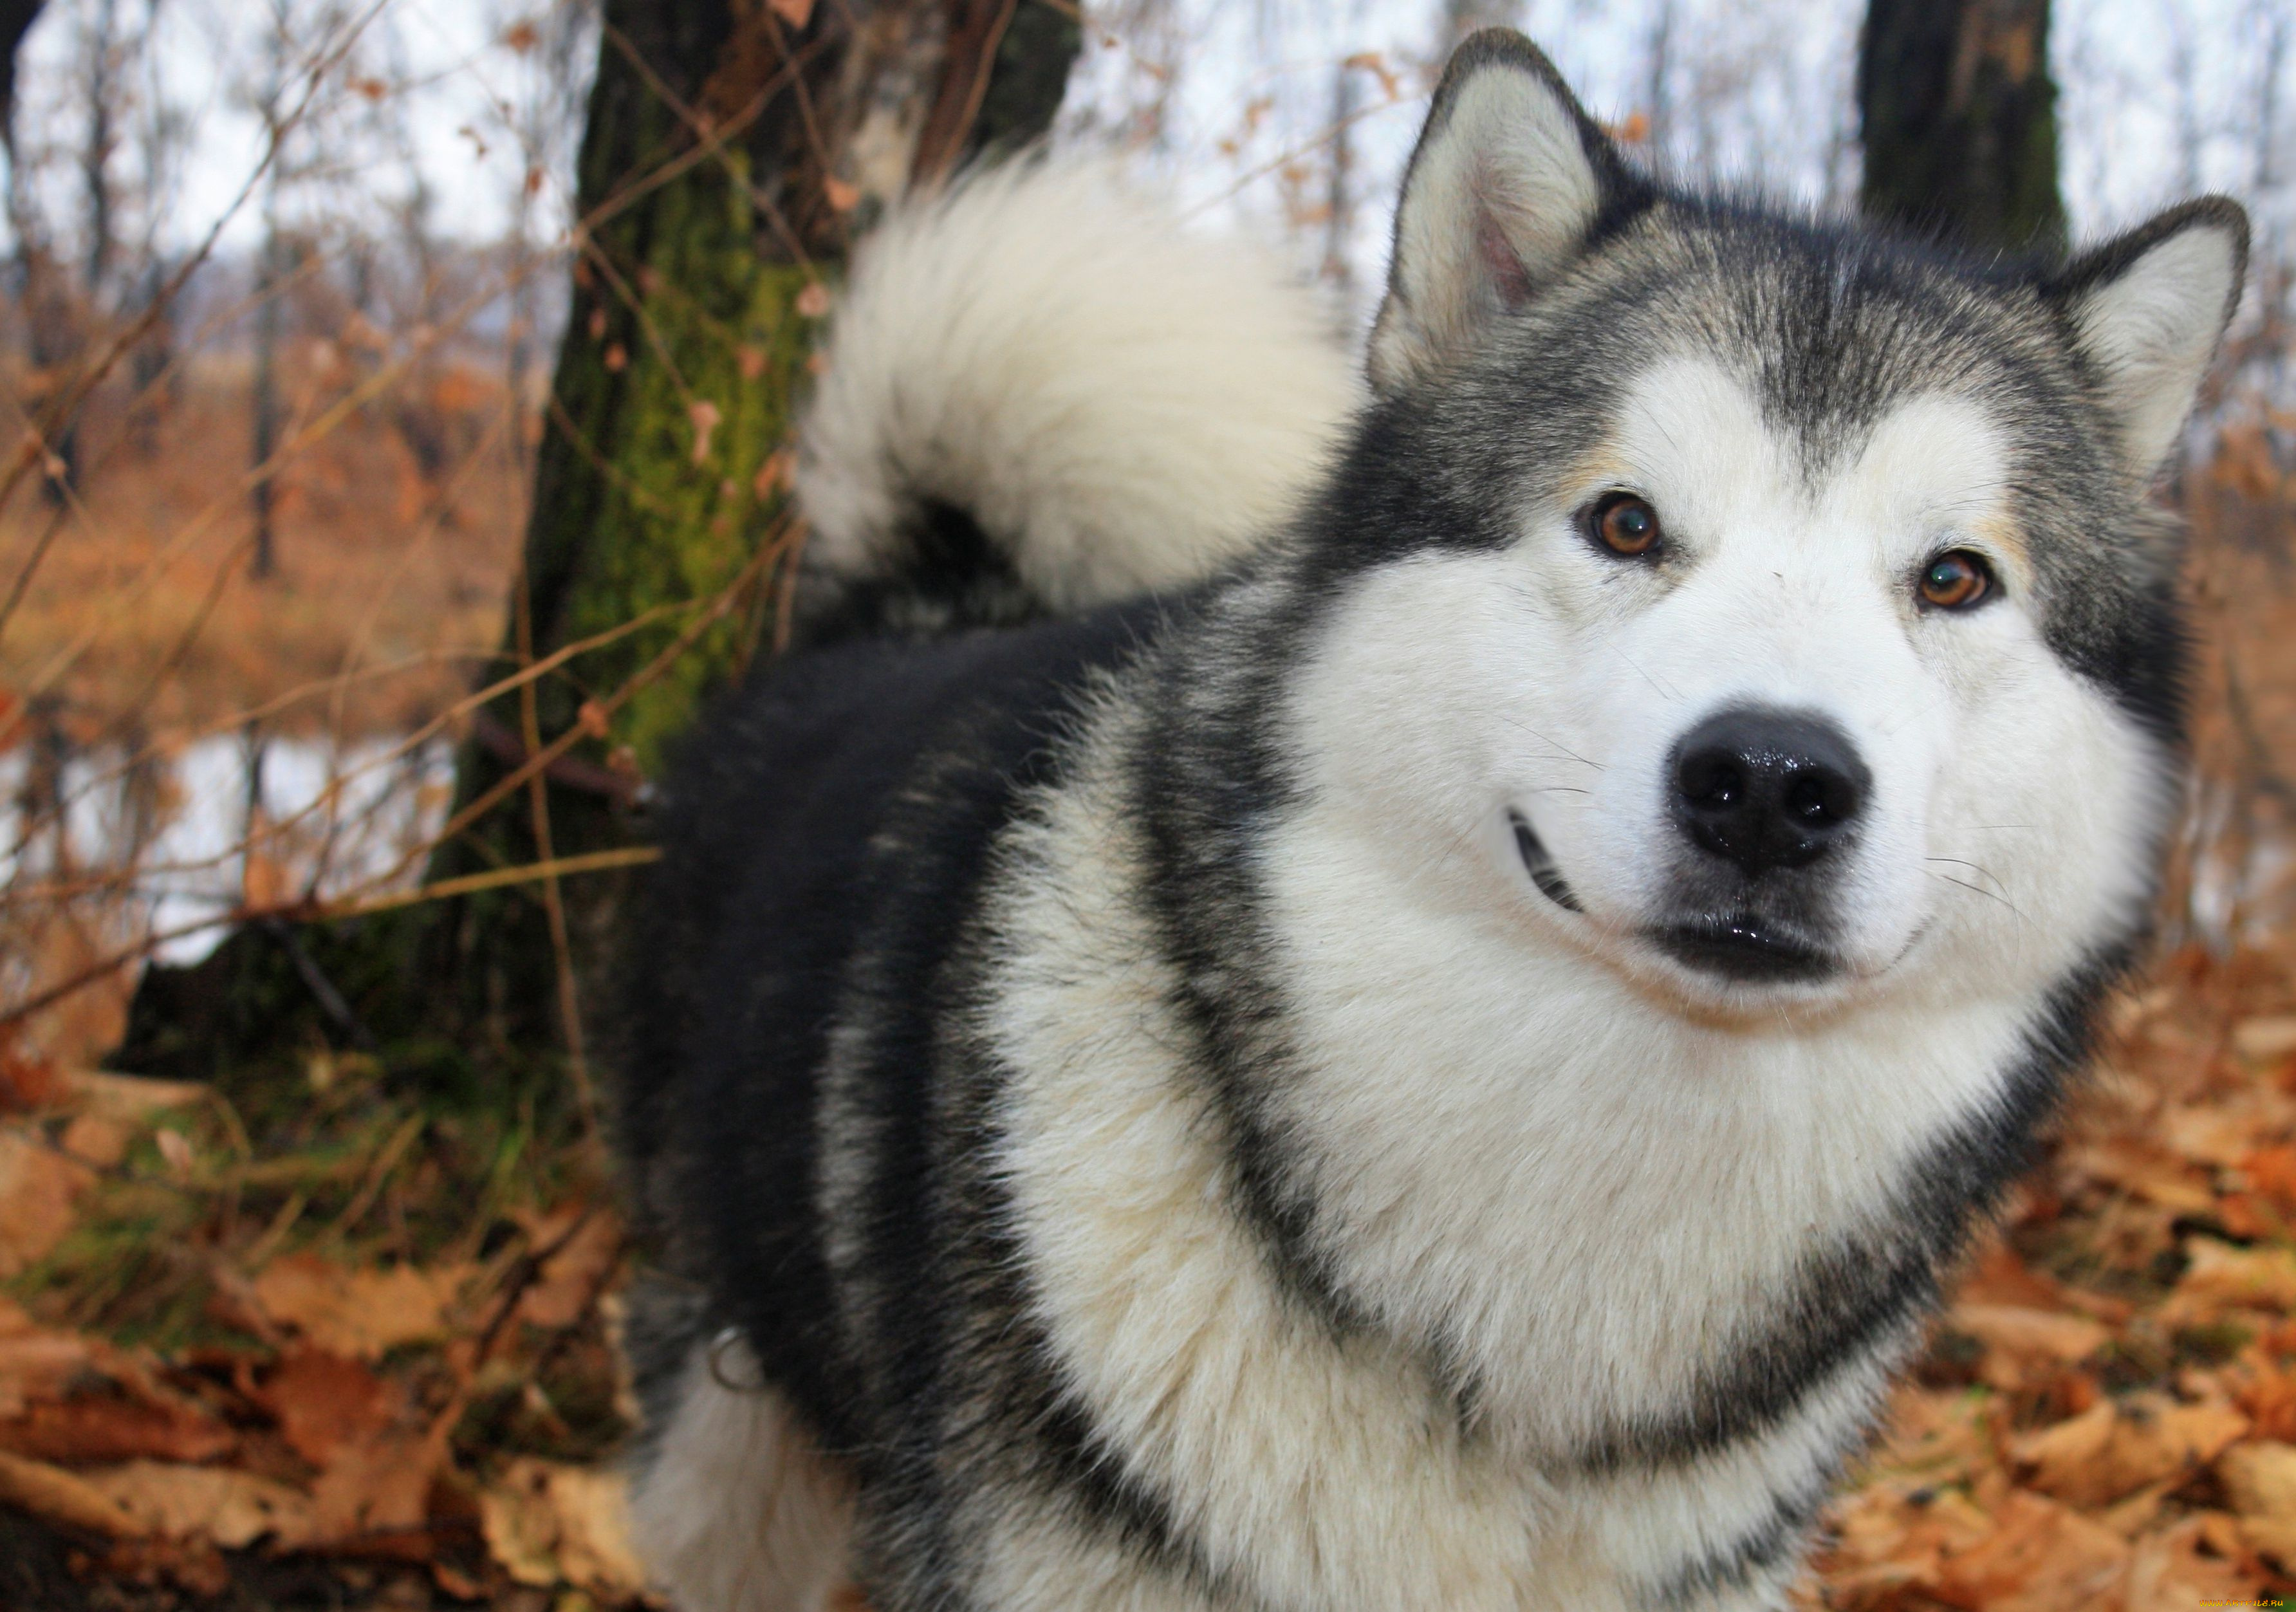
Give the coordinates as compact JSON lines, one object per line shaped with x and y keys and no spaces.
{"x":325,"y":1338}
{"x":371,"y":1361}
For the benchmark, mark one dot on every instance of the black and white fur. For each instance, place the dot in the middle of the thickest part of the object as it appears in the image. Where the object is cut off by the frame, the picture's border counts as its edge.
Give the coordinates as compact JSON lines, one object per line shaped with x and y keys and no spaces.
{"x":1257,"y":1096}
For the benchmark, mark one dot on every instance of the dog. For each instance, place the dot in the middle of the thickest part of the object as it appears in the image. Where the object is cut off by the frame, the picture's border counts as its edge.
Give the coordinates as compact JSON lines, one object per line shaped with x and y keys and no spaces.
{"x":1305,"y":999}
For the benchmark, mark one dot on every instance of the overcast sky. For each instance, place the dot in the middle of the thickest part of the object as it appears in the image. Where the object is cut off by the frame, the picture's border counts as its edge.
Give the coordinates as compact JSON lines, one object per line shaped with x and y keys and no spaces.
{"x":1759,"y":87}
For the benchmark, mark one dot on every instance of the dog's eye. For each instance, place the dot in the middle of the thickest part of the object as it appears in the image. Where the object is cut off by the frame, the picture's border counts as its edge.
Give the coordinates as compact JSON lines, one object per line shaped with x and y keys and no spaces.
{"x":1956,"y":579}
{"x":1625,"y":525}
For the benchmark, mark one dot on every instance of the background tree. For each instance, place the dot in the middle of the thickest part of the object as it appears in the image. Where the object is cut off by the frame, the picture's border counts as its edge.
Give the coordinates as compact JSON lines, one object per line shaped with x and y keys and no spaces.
{"x":1958,"y":115}
{"x":733,"y":150}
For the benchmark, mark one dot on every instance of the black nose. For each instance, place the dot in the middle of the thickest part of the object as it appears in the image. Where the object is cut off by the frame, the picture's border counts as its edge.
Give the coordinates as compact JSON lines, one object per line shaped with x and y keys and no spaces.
{"x":1767,"y":788}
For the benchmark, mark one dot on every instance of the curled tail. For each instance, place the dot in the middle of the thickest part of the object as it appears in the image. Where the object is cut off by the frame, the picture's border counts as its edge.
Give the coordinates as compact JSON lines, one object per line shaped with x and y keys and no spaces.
{"x":1043,"y":393}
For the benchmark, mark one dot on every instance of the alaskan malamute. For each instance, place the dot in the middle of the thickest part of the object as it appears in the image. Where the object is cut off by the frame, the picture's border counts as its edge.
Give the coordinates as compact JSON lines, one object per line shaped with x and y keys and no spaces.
{"x":1299,"y":1004}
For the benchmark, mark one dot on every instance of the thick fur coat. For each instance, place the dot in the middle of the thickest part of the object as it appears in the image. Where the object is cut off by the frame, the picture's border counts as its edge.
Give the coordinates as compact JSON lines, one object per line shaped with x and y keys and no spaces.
{"x":1297,"y":1007}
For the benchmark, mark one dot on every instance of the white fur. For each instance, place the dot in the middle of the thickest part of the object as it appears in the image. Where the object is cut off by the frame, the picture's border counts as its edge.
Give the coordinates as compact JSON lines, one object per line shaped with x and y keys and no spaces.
{"x":1548,"y":1154}
{"x":1504,"y":172}
{"x":2153,"y":329}
{"x":737,"y":1511}
{"x":1122,"y":402}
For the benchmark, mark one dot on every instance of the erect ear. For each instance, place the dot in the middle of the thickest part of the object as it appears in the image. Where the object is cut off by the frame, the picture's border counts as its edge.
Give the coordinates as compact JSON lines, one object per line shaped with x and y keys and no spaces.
{"x":1509,"y":177}
{"x":2148,"y":310}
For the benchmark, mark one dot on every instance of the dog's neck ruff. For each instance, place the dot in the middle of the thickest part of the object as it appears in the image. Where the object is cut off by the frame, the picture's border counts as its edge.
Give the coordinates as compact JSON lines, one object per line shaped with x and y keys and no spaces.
{"x":1553,"y":1258}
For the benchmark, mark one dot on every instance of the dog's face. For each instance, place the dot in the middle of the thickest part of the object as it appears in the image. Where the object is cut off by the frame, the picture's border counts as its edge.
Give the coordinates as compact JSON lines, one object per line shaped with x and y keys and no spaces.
{"x":1774,"y":611}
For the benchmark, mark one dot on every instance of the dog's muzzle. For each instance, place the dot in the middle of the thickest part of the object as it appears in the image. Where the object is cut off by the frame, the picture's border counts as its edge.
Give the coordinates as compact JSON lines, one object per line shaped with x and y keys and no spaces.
{"x":1766,"y":801}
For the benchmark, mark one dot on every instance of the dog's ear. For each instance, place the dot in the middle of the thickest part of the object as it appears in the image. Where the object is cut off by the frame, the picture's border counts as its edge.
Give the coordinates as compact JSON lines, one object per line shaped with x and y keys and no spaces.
{"x":2147,"y":310}
{"x":1509,"y":178}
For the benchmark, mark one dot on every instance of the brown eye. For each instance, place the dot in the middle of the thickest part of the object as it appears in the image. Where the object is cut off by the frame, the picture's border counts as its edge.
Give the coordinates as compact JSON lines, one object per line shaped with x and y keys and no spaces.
{"x":1956,"y":580}
{"x":1626,"y":525}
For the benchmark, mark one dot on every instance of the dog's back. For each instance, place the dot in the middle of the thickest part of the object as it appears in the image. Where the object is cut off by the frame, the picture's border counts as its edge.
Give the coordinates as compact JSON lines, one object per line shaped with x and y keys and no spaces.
{"x":1049,"y":410}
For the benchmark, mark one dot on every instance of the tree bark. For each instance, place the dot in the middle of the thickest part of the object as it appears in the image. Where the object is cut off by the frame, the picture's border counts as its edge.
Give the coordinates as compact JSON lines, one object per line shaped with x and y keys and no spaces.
{"x":1958,"y":115}
{"x":728,"y":161}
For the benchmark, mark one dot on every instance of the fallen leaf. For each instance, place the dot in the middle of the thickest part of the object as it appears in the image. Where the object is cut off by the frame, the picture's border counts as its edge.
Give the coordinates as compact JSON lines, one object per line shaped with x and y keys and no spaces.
{"x":2041,"y":1556}
{"x":226,"y":1508}
{"x":795,"y":12}
{"x":64,"y":1497}
{"x":2169,"y":1572}
{"x":28,"y":1078}
{"x":2259,"y":1479}
{"x":36,"y":1363}
{"x":2272,"y":1171}
{"x":38,"y":1186}
{"x":2212,"y":1135}
{"x":570,"y":1278}
{"x":325,"y":1401}
{"x":129,"y":1099}
{"x":2144,"y":1170}
{"x":361,"y":1314}
{"x":2220,"y":1277}
{"x":115,"y":1427}
{"x":549,"y":1524}
{"x":2027,"y":1334}
{"x":96,"y":1141}
{"x":2263,"y":1040}
{"x":380,"y":1485}
{"x":2116,"y":1447}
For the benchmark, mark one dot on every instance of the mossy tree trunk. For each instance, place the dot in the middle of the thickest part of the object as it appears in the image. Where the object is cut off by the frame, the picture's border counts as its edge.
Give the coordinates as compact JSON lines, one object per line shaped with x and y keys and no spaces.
{"x":730,"y":157}
{"x":1958,"y":115}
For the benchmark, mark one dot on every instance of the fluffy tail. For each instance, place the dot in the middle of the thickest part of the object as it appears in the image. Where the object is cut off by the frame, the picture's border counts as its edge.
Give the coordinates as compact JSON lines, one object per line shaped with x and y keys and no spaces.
{"x":1044,"y":393}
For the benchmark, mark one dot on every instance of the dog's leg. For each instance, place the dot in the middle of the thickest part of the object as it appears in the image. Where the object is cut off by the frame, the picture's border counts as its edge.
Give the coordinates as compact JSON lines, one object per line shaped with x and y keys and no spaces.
{"x":734,"y":1510}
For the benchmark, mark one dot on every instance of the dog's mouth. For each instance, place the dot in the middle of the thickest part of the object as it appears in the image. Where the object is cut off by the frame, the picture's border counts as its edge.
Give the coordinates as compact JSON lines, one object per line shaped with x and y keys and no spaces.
{"x":1539,"y":861}
{"x":1745,"y":948}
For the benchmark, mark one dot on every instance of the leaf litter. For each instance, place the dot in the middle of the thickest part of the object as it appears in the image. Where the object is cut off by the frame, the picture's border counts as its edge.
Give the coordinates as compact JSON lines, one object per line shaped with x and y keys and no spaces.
{"x":386,"y":1351}
{"x":378,"y":1348}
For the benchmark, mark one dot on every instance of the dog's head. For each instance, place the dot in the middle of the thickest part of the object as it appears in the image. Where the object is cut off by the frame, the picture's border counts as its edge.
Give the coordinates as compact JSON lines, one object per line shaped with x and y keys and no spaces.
{"x":1774,"y":606}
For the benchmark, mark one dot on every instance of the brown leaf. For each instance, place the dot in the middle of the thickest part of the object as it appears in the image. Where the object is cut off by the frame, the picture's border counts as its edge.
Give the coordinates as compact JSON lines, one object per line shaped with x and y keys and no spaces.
{"x":2259,"y":1479}
{"x":795,"y":12}
{"x":28,"y":1078}
{"x":38,"y":1187}
{"x":570,"y":1278}
{"x":361,"y":1314}
{"x":842,"y":197}
{"x":548,"y":1524}
{"x":2114,"y":1448}
{"x":116,"y":1427}
{"x":2145,"y":1170}
{"x":93,"y":1140}
{"x":2027,"y":1335}
{"x":2263,"y":1040}
{"x":2040,"y":1557}
{"x":34,"y":1363}
{"x":129,"y":1100}
{"x":226,"y":1508}
{"x":324,"y":1402}
{"x":2220,"y":1277}
{"x":2169,"y":1573}
{"x":64,"y":1497}
{"x":378,"y":1485}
